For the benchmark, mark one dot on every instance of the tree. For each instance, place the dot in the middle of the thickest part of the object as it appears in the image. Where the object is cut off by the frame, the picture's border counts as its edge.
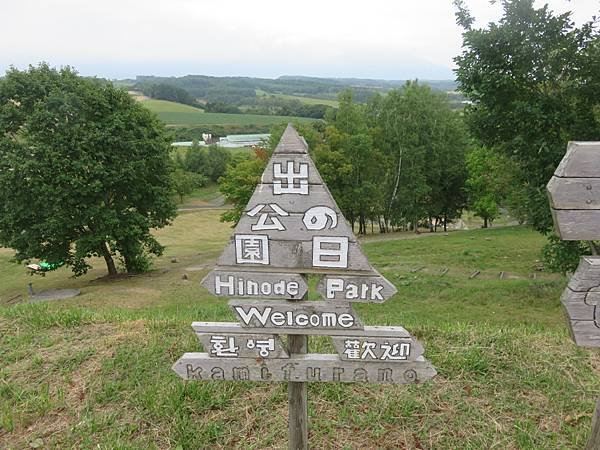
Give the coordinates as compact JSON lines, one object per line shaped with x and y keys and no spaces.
{"x":238,"y":183}
{"x":534,"y":79}
{"x":350,"y":163}
{"x":425,"y":145}
{"x":184,"y":182}
{"x":84,"y":171}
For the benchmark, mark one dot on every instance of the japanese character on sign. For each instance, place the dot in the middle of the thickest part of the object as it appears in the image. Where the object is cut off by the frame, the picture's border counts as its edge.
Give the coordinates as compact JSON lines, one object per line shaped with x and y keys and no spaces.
{"x":318,"y":217}
{"x":331,"y":251}
{"x":290,"y":181}
{"x":223,"y":346}
{"x":266,"y":346}
{"x":352,"y":349}
{"x":275,"y":223}
{"x":251,"y":249}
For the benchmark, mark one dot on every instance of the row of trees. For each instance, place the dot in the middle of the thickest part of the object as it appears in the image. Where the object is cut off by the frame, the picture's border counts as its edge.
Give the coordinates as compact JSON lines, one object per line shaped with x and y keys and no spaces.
{"x":163,"y":91}
{"x":398,"y":161}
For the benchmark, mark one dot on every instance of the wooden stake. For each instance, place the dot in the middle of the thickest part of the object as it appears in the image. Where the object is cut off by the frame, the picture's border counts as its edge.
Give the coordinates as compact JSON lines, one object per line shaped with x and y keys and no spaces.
{"x":594,"y":440}
{"x":297,"y":398}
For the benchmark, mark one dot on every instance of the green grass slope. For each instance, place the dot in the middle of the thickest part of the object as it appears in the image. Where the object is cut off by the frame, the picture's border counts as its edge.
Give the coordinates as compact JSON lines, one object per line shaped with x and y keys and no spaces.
{"x":176,"y":114}
{"x":94,"y":371}
{"x":307,"y":100}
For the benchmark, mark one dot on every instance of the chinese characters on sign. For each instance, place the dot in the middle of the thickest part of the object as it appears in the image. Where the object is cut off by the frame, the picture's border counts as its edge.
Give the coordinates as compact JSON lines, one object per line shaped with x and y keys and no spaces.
{"x":251,"y":249}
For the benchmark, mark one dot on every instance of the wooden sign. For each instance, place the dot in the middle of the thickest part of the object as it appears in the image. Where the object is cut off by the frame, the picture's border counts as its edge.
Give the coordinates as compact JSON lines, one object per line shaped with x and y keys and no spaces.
{"x":574,"y":192}
{"x":301,"y":368}
{"x":236,"y":328}
{"x":255,"y":284}
{"x":372,"y":288}
{"x":292,"y":227}
{"x":295,"y":317}
{"x":581,"y":299}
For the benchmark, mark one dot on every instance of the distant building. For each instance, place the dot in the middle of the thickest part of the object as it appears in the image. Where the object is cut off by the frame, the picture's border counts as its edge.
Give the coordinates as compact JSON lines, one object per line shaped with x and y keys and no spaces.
{"x":229,"y":141}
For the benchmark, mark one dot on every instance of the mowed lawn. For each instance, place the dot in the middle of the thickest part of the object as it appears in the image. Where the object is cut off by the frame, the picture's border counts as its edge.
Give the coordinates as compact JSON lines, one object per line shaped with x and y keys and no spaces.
{"x":177,"y":114}
{"x":94,"y":371}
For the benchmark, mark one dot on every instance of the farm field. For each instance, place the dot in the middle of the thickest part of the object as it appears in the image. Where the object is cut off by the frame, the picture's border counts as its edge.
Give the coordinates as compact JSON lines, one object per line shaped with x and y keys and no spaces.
{"x":176,"y":114}
{"x":94,"y":371}
{"x":307,"y":100}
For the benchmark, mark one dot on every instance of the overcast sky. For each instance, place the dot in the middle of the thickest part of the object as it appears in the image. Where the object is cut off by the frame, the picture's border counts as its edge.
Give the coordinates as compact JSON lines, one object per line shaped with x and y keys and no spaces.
{"x":390,"y":39}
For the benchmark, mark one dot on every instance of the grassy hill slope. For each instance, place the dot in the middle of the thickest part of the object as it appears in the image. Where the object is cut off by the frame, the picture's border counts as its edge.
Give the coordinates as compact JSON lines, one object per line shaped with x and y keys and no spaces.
{"x":94,"y":371}
{"x":177,"y":114}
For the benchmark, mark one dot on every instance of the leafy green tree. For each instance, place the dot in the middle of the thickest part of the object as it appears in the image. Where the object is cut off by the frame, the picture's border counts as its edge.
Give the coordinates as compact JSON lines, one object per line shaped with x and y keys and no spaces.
{"x":425,"y":145}
{"x":486,"y":192}
{"x":184,"y":182}
{"x":237,"y":186}
{"x":351,"y":165}
{"x":84,"y":171}
{"x":534,"y":79}
{"x":217,"y":159}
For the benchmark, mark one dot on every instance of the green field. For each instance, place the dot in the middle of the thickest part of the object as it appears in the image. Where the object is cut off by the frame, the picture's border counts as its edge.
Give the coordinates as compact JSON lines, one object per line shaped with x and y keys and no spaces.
{"x":307,"y":100}
{"x":94,"y":371}
{"x":164,"y":106}
{"x":176,"y":114}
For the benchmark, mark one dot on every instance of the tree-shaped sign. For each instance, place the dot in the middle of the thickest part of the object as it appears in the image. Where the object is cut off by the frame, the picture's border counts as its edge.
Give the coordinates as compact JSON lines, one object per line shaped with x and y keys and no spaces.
{"x":291,"y":228}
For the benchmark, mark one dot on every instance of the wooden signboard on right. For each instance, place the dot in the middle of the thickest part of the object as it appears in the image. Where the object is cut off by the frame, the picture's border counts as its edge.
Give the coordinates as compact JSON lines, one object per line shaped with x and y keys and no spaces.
{"x":574,"y":193}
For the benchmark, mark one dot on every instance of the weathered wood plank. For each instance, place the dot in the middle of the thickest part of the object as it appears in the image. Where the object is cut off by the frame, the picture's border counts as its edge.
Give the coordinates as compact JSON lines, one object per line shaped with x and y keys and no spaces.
{"x":585,"y":333}
{"x":574,"y":193}
{"x":377,"y":349}
{"x":593,"y":442}
{"x":374,"y":288}
{"x":298,"y":398}
{"x":576,"y":306}
{"x":234,"y":327}
{"x":581,"y":160}
{"x":243,"y":345}
{"x":295,"y":317}
{"x":587,"y":275}
{"x":317,"y":195}
{"x":317,"y":221}
{"x":577,"y":225}
{"x":291,"y":142}
{"x":321,"y":255}
{"x":302,"y":368}
{"x":247,"y":284}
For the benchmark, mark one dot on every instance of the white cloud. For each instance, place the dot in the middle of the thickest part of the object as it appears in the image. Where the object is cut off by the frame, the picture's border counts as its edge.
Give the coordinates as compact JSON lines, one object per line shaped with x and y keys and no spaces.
{"x":378,"y":38}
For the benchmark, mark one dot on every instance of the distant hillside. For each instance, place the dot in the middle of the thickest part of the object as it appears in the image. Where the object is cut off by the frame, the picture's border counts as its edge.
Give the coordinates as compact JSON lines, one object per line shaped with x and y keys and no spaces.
{"x":241,"y":91}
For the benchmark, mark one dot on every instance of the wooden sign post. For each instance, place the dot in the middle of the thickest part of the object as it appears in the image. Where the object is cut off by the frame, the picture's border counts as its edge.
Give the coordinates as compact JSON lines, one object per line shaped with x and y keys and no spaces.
{"x":292,"y":227}
{"x":574,"y":193}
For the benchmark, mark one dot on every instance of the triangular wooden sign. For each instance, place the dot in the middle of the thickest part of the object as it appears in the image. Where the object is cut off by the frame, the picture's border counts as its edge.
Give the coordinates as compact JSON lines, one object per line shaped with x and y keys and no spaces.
{"x":292,"y":225}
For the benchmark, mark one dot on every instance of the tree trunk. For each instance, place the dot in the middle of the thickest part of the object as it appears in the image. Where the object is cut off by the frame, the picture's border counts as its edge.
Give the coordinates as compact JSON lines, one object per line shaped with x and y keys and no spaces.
{"x":110,"y":262}
{"x":485,"y":222}
{"x":445,"y":223}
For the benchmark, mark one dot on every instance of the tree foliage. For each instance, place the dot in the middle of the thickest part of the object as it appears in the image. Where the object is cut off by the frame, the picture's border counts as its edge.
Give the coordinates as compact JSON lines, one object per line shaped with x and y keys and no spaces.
{"x":534,"y":79}
{"x":84,"y":171}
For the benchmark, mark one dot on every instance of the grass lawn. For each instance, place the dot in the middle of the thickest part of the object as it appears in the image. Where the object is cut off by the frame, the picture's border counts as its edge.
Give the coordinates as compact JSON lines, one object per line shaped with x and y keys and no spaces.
{"x":94,"y":371}
{"x":176,"y":114}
